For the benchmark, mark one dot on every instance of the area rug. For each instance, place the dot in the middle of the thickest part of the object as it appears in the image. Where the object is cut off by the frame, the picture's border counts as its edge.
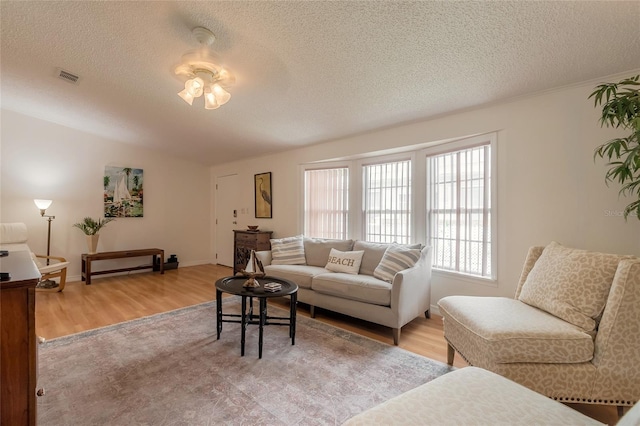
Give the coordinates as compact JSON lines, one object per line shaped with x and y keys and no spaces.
{"x":169,"y":369}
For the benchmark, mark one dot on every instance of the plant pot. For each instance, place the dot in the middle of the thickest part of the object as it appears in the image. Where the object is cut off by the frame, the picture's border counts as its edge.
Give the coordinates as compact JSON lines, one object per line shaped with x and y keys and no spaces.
{"x":92,"y":243}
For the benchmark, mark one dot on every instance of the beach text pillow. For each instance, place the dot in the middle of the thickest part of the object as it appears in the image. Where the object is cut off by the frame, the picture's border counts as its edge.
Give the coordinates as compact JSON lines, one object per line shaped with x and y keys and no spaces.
{"x":344,"y":261}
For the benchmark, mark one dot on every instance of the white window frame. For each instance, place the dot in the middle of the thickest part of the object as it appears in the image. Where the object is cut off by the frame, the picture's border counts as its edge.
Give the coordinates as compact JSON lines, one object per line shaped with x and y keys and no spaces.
{"x":488,"y":139}
{"x":409,"y":156}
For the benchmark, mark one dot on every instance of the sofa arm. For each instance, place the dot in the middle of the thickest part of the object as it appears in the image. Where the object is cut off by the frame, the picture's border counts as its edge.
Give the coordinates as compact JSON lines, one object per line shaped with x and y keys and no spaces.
{"x":618,"y":333}
{"x":264,"y":257}
{"x":411,"y":289}
{"x":618,"y":338}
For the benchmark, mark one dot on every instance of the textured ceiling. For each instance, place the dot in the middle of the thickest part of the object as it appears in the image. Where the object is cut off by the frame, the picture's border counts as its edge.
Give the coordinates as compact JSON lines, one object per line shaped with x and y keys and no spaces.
{"x":306,"y":71}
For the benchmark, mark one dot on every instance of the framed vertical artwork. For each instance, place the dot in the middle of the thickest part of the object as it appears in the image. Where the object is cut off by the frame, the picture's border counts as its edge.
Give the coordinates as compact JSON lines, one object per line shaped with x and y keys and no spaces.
{"x":123,"y":194}
{"x":262,"y":184}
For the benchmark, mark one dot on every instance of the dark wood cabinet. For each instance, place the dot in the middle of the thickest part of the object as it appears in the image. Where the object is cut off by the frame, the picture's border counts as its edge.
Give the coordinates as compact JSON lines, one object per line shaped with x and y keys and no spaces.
{"x":18,"y":369}
{"x":244,"y":242}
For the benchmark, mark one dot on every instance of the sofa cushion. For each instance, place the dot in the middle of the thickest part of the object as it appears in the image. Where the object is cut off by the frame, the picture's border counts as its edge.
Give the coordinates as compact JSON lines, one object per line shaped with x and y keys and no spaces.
{"x":571,"y":284}
{"x":299,"y":274}
{"x":317,"y":249}
{"x":504,"y":330}
{"x":363,"y":288}
{"x":395,"y":259}
{"x":344,"y":261}
{"x":288,"y":251}
{"x":471,"y":396}
{"x":373,"y":253}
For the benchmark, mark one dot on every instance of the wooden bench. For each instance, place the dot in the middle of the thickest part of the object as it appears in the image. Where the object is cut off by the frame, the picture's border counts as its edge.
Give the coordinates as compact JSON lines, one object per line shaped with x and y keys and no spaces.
{"x":88,"y":258}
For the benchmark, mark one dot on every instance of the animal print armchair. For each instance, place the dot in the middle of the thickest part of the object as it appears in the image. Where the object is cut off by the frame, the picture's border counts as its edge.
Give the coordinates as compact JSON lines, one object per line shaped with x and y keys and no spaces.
{"x":572,"y":332}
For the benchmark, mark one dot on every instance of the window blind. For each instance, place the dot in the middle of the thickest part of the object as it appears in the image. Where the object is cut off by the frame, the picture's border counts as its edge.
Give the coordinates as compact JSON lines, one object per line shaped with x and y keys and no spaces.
{"x":326,"y":203}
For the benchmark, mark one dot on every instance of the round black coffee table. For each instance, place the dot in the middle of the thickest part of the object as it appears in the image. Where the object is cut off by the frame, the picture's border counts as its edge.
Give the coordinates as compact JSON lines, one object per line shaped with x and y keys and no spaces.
{"x":234,"y":285}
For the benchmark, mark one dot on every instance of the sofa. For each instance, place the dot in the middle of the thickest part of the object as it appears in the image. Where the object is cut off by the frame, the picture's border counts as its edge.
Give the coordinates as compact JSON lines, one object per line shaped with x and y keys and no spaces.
{"x":390,"y":285}
{"x":571,"y":332}
{"x":473,"y":396}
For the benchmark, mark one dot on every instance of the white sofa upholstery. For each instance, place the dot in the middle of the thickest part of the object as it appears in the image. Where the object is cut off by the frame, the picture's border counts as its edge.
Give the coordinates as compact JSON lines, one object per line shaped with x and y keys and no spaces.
{"x":473,"y":396}
{"x":361,"y":296}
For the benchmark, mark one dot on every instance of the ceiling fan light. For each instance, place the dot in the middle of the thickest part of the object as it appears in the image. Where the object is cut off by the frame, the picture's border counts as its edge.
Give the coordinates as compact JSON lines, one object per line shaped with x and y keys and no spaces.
{"x":194,"y":86}
{"x":210,"y":101}
{"x":201,"y":67}
{"x":222,"y":96}
{"x":188,"y":97}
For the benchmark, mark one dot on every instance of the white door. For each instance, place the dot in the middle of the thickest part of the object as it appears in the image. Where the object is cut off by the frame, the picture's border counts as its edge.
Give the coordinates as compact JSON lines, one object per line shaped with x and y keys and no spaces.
{"x":227,"y":211}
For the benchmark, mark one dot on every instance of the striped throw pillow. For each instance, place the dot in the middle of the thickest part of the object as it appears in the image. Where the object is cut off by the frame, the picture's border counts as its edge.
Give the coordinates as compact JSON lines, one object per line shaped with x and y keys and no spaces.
{"x":395,"y":259}
{"x":288,"y":251}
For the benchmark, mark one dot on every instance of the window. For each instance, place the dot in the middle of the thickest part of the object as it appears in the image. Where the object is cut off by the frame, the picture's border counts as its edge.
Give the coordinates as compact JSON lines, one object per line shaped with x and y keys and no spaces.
{"x":387,"y":202}
{"x":459,"y":210}
{"x":326,"y":203}
{"x":439,"y":194}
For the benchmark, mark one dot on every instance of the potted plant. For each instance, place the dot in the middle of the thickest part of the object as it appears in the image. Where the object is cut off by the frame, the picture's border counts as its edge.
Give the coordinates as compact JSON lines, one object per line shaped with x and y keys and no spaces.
{"x":91,"y":227}
{"x":621,"y":108}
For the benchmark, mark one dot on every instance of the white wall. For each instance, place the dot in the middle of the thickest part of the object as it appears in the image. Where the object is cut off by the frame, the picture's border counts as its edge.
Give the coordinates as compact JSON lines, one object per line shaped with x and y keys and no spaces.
{"x":549,"y":187}
{"x":40,"y":159}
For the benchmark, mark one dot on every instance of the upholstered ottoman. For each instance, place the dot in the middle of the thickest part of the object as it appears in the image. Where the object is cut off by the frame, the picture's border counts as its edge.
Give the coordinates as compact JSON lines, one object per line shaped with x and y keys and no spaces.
{"x":471,"y":396}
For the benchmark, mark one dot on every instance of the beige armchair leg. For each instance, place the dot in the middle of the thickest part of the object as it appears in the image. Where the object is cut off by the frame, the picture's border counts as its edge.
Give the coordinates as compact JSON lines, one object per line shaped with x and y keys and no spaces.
{"x":450,"y":354}
{"x":622,"y":410}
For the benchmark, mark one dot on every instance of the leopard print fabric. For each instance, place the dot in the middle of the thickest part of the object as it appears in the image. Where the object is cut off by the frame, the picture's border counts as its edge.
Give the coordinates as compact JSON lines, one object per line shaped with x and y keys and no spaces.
{"x":612,"y":376}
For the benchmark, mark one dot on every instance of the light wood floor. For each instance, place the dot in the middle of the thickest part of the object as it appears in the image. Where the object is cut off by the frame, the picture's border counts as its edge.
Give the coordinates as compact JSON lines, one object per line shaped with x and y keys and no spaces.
{"x":121,"y":298}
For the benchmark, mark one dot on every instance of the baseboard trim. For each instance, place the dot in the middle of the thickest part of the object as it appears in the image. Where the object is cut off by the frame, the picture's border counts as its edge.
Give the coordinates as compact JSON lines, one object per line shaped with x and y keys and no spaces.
{"x":74,"y":278}
{"x":435,"y":310}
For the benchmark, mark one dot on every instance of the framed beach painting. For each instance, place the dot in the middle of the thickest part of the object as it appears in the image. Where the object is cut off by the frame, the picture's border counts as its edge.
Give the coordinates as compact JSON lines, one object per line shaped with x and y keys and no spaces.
{"x":262,"y":185}
{"x":123,"y":192}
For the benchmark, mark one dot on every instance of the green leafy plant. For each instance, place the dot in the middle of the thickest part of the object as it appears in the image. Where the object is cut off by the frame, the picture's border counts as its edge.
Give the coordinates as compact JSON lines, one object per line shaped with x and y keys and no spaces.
{"x":621,"y":109}
{"x":90,"y":226}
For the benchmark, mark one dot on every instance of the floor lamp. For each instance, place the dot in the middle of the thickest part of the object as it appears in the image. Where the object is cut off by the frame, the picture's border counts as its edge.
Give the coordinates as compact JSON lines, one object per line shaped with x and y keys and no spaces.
{"x":43,"y":205}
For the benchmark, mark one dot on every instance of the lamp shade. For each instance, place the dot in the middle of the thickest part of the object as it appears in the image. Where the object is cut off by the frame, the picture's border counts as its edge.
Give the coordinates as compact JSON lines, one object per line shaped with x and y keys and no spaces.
{"x":43,"y":204}
{"x":222,"y":96}
{"x":210,"y":101}
{"x":188,"y":97}
{"x":195,"y":86}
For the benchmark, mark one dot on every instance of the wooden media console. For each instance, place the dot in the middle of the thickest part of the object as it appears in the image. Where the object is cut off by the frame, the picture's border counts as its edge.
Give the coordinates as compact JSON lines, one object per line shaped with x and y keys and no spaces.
{"x":88,"y":258}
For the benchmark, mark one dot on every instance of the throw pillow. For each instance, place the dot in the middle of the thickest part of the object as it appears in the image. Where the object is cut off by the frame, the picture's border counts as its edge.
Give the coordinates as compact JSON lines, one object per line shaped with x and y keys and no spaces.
{"x":344,"y":261}
{"x":373,"y":253}
{"x":287,"y":251}
{"x":395,"y":259}
{"x":317,"y":250}
{"x":571,"y":284}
